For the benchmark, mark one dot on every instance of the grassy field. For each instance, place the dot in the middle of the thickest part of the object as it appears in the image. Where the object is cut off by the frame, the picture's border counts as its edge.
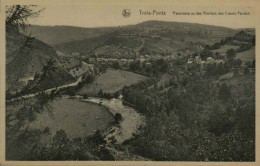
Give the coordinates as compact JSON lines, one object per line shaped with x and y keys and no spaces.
{"x":76,"y":118}
{"x":223,"y":49}
{"x":111,"y":81}
{"x":247,"y":55}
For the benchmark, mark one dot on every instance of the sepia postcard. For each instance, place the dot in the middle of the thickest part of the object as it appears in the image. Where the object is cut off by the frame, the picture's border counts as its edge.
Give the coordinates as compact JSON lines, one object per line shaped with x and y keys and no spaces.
{"x":128,"y":82}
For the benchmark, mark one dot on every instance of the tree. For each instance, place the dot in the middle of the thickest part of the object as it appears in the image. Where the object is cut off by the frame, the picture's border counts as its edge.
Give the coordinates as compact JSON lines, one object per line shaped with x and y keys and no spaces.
{"x":60,"y":138}
{"x":100,"y":93}
{"x":220,"y":69}
{"x":97,"y":138}
{"x":248,"y":64}
{"x":134,"y":65}
{"x":231,"y":53}
{"x":245,"y":115}
{"x":246,"y":71}
{"x":36,"y":76}
{"x":118,"y":118}
{"x":218,"y":122}
{"x":217,"y":55}
{"x":253,"y":63}
{"x":116,"y":95}
{"x":106,"y":95}
{"x":236,"y":72}
{"x":238,"y":63}
{"x":205,"y":54}
{"x":48,"y":67}
{"x":224,"y":92}
{"x":253,"y":41}
{"x":17,"y":16}
{"x":116,"y":65}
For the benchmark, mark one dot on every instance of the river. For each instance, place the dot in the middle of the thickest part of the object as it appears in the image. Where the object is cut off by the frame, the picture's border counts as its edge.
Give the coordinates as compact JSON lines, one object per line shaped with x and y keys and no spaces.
{"x":131,"y":119}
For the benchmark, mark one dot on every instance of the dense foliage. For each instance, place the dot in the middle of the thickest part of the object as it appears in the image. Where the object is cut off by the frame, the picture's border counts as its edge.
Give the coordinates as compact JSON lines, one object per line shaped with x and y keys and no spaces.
{"x":196,"y":119}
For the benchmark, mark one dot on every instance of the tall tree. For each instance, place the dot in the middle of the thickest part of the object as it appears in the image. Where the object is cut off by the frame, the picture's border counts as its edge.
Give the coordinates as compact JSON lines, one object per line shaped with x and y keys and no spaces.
{"x":17,"y":16}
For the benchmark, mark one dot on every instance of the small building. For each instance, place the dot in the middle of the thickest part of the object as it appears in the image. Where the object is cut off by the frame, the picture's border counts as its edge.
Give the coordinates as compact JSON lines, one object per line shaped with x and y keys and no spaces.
{"x":210,"y":60}
{"x":148,"y":64}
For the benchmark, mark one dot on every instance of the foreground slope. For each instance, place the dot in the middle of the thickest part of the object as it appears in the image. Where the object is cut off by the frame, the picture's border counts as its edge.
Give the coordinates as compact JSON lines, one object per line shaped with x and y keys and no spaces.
{"x":27,"y":56}
{"x":23,"y":61}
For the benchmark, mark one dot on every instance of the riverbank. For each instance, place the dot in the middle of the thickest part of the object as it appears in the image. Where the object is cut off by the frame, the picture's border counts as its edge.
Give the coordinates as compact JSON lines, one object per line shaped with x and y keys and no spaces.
{"x":131,"y":119}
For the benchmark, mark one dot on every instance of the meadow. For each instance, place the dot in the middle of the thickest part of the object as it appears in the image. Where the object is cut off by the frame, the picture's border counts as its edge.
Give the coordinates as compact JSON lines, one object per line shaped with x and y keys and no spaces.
{"x":111,"y":82}
{"x":246,"y":56}
{"x":76,"y":118}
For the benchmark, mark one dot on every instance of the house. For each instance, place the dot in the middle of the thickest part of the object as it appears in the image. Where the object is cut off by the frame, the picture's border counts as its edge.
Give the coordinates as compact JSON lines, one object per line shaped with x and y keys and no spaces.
{"x":210,"y":60}
{"x":148,"y":64}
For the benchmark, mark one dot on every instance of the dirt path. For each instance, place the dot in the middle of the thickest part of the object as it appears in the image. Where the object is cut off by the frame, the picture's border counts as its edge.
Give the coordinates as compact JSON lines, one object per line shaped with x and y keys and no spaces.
{"x":46,"y":91}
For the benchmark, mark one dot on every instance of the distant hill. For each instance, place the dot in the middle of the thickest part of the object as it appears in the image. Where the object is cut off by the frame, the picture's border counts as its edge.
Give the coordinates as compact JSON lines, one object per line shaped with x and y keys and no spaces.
{"x":155,"y":36}
{"x":89,"y":45}
{"x":53,"y":35}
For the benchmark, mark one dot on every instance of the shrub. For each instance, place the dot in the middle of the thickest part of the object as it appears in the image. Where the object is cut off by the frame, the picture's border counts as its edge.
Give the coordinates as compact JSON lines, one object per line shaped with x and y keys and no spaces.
{"x":118,"y":118}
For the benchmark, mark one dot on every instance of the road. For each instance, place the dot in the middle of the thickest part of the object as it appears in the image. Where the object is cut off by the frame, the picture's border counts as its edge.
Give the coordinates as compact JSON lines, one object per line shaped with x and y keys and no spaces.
{"x":46,"y":91}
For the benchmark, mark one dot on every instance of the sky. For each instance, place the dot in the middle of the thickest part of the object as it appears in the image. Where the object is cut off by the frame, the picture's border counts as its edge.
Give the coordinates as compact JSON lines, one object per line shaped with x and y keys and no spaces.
{"x":107,"y":16}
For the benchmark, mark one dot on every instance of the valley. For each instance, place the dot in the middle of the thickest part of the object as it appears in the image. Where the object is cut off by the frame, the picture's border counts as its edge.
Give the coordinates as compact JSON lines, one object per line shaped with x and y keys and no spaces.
{"x":162,"y":91}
